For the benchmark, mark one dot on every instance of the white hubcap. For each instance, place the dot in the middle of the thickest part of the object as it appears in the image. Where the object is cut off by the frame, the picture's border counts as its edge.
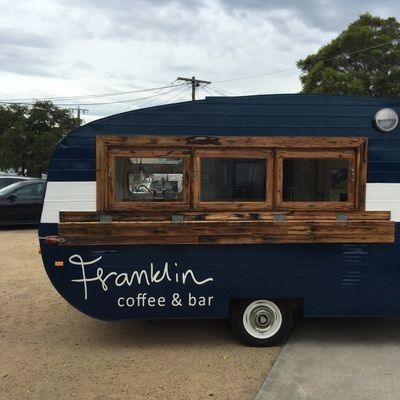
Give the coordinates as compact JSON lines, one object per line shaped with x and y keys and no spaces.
{"x":262,"y":319}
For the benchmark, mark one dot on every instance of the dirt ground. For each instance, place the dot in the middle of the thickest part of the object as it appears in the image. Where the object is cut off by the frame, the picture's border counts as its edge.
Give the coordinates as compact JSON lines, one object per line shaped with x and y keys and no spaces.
{"x":48,"y":350}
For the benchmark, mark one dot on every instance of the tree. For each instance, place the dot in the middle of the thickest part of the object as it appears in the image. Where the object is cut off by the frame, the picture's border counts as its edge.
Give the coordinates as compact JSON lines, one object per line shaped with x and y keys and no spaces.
{"x":340,"y":67}
{"x":29,"y":134}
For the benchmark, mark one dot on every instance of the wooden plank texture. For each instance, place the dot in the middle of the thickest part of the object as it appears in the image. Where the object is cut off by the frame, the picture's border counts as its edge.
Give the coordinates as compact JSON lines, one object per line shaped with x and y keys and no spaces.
{"x":234,"y":141}
{"x":248,"y":231}
{"x":92,"y":216}
{"x":101,"y":174}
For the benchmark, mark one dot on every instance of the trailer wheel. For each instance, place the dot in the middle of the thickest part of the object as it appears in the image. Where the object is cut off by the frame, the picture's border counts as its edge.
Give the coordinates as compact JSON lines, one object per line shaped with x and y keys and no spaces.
{"x":261,"y":322}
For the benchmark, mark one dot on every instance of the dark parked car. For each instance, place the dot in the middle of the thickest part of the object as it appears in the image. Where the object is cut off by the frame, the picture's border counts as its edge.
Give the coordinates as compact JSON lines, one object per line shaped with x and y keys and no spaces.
{"x":21,"y":202}
{"x":6,"y":180}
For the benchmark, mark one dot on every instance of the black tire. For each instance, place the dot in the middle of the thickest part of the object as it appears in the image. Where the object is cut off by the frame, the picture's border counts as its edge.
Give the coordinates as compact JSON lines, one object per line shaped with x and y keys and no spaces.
{"x":261,"y":322}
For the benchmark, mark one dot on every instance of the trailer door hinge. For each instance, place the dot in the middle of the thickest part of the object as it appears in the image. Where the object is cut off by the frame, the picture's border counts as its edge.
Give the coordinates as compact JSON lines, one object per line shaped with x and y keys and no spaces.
{"x":279,"y":218}
{"x":353,"y":175}
{"x":342,"y":217}
{"x":105,"y":219}
{"x":176,"y":218}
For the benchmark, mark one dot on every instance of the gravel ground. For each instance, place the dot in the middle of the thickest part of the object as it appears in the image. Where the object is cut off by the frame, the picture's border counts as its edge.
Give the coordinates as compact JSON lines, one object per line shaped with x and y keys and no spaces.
{"x":48,"y":350}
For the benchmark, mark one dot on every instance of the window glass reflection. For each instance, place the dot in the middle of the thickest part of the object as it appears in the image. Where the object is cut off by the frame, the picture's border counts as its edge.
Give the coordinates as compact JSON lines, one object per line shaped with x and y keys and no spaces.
{"x":315,"y":179}
{"x":232,"y":179}
{"x":149,"y":179}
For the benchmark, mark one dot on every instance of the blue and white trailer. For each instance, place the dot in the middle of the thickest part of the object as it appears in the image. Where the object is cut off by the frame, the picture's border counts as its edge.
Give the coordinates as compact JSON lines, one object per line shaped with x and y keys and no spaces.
{"x":239,"y":207}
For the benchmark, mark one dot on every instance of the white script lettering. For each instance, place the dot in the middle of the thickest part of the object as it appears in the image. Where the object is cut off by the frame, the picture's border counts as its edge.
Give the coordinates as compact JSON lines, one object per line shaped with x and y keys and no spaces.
{"x":147,"y":276}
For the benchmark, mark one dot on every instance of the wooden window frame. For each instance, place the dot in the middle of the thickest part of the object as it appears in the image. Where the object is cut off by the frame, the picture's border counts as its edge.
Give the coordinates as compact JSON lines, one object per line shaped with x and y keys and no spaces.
{"x":191,"y":148}
{"x":111,"y":204}
{"x":265,"y":154}
{"x":350,"y":204}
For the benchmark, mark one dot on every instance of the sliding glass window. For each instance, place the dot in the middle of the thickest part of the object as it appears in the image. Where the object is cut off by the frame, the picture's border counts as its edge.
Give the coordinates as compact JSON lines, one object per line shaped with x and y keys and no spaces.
{"x":240,"y":178}
{"x":325,"y":179}
{"x":139,"y":178}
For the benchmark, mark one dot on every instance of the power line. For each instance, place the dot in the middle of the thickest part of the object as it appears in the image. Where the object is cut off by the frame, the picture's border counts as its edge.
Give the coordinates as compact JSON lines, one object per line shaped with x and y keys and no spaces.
{"x":255,"y":76}
{"x":178,"y":93}
{"x":158,"y":94}
{"x":128,"y":101}
{"x":356,"y":51}
{"x":90,"y":96}
{"x":209,"y":90}
{"x":181,"y":98}
{"x":293,"y":68}
{"x":98,"y":103}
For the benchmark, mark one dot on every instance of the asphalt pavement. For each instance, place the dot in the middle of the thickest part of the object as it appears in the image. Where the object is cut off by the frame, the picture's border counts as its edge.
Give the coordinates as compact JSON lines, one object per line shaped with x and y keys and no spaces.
{"x":341,"y":358}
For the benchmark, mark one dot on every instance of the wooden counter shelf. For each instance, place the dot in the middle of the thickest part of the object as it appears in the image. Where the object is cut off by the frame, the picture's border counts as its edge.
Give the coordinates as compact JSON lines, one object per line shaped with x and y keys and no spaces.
{"x":196,"y":227}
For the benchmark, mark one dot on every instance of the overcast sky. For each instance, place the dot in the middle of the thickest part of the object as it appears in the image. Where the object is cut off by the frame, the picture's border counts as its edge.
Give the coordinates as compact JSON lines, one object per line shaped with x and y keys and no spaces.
{"x":54,"y":48}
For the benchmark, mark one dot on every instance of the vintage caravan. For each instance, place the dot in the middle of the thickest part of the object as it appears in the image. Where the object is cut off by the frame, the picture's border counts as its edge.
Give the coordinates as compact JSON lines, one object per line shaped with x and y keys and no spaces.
{"x":239,"y":207}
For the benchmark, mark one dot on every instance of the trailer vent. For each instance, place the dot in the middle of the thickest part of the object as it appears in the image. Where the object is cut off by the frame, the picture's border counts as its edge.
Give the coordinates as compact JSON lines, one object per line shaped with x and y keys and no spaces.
{"x":354,"y":262}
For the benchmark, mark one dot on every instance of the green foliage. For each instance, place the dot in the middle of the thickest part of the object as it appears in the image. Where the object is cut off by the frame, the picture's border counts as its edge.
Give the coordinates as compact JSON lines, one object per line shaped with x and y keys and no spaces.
{"x":374,"y":72}
{"x":29,"y":134}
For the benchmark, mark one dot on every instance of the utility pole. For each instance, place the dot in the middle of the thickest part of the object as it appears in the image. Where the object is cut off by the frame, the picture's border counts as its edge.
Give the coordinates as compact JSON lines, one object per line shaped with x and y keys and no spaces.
{"x":78,"y":110}
{"x":195,"y":83}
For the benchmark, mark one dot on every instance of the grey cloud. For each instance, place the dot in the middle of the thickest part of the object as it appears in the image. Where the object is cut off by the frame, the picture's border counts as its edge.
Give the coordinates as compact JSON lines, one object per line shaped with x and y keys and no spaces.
{"x":142,"y":20}
{"x":19,"y":38}
{"x":324,"y":14}
{"x":80,"y":66}
{"x":123,"y":81}
{"x":123,"y":6}
{"x":26,"y":63}
{"x":26,"y":50}
{"x":181,"y":21}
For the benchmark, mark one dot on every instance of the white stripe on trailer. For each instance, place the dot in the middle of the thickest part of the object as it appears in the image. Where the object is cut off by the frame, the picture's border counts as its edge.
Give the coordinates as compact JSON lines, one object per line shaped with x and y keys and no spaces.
{"x":81,"y":196}
{"x":67,"y":196}
{"x":384,"y":197}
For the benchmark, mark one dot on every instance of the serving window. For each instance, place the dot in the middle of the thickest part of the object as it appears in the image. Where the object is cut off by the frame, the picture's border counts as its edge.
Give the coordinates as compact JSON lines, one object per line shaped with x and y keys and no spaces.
{"x":233,"y":179}
{"x":148,"y":179}
{"x":141,"y":178}
{"x":316,"y":179}
{"x":235,"y":173}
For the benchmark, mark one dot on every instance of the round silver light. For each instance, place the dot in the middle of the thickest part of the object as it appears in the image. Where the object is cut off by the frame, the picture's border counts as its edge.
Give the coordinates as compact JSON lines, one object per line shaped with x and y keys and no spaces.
{"x":386,"y":119}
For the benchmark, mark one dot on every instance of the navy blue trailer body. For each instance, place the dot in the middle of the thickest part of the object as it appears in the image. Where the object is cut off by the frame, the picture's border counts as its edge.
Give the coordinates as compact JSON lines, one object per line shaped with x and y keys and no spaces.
{"x":149,"y":281}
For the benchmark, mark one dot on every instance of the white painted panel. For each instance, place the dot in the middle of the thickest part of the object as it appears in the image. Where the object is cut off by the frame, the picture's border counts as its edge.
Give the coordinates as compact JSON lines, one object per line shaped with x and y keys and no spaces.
{"x":67,"y":196}
{"x":81,"y":196}
{"x":384,"y":197}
